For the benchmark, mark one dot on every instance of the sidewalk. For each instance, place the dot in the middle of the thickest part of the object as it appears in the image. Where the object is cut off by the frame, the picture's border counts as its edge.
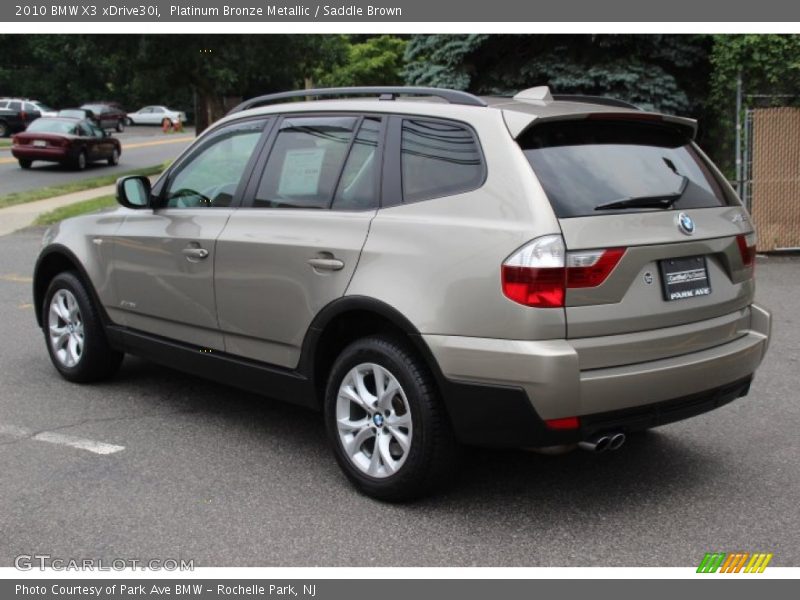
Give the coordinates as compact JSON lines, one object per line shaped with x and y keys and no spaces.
{"x":23,"y":215}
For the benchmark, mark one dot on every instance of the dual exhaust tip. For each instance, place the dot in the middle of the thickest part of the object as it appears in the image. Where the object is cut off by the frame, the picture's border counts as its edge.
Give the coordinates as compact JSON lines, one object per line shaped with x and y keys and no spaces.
{"x":603,"y":442}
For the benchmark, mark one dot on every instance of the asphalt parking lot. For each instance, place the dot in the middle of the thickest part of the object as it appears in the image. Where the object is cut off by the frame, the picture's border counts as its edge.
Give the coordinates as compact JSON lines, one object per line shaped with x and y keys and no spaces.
{"x":229,"y":479}
{"x":142,"y":146}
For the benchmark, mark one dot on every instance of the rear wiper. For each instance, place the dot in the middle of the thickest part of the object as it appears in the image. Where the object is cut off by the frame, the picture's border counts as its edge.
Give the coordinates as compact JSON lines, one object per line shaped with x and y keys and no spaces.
{"x":657,"y":201}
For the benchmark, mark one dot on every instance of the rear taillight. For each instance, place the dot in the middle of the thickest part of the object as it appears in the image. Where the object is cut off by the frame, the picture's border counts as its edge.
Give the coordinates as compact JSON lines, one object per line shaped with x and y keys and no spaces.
{"x":540,"y":272}
{"x":747,"y":248}
{"x":563,"y":423}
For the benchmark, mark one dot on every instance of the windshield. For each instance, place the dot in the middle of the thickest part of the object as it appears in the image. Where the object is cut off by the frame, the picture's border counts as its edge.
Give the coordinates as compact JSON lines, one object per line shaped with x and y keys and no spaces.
{"x":52,"y":126}
{"x":585,"y":164}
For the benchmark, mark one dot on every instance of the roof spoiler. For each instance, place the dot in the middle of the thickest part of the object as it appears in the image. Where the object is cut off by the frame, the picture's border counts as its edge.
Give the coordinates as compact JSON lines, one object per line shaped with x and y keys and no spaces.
{"x":518,"y":123}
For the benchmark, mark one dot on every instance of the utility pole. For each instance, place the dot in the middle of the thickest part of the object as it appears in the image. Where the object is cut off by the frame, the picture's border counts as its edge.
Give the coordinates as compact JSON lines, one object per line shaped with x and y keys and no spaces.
{"x":738,"y":142}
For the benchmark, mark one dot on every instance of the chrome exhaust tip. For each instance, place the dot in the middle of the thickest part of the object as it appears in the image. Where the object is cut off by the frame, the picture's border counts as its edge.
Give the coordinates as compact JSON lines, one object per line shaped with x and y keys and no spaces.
{"x":616,"y":441}
{"x":597,"y":444}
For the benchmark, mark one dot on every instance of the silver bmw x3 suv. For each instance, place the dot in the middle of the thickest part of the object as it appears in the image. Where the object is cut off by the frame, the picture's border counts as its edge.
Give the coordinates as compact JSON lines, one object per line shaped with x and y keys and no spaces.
{"x":429,"y":269}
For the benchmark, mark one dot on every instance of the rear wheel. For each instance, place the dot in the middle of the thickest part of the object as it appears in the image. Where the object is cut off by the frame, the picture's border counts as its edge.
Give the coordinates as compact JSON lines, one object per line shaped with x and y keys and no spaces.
{"x":80,"y":161}
{"x":387,"y":426}
{"x":74,"y":333}
{"x":25,"y":163}
{"x":4,"y":130}
{"x":114,"y":158}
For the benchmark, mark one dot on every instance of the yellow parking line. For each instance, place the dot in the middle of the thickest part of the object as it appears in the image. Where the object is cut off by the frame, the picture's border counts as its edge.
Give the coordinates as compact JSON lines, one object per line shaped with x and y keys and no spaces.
{"x":4,"y":161}
{"x":157,"y":142}
{"x":16,"y":278}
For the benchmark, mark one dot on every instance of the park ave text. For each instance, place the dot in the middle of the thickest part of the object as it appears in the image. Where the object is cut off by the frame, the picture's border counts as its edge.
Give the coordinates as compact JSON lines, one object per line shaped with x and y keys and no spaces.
{"x":177,"y":589}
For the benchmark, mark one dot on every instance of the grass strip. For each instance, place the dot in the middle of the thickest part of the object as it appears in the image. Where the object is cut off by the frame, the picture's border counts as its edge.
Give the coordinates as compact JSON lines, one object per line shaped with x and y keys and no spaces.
{"x":75,"y":186}
{"x":73,"y":210}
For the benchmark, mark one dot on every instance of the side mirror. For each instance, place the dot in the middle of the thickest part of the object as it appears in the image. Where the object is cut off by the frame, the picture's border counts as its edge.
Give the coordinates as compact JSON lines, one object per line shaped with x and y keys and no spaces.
{"x":133,"y":191}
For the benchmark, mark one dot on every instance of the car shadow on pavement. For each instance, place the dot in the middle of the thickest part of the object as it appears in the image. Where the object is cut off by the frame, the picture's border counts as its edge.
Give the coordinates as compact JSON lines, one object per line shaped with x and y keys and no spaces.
{"x":576,"y":482}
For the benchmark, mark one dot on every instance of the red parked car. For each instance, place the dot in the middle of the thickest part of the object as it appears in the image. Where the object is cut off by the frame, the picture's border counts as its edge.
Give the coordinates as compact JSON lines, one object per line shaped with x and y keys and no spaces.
{"x":72,"y":142}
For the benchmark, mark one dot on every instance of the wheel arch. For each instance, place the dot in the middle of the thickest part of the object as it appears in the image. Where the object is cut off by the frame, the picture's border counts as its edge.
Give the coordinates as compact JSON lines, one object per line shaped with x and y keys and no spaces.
{"x":57,"y":259}
{"x":349,"y":318}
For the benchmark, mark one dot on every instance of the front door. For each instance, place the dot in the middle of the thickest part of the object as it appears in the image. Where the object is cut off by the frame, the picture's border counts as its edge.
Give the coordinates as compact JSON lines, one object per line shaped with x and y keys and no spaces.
{"x":163,"y":263}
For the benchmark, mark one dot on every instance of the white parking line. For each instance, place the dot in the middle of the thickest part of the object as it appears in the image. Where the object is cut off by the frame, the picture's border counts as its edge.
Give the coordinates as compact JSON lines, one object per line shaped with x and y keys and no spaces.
{"x":52,"y":437}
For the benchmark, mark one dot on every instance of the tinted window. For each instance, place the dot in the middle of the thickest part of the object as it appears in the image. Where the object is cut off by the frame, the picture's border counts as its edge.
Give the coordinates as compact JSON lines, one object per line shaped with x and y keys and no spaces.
{"x":358,"y":185}
{"x":438,"y":159}
{"x":15,"y":105}
{"x":583,"y":164}
{"x":85,"y":130}
{"x":211,"y":174}
{"x":52,"y":126}
{"x":305,"y":162}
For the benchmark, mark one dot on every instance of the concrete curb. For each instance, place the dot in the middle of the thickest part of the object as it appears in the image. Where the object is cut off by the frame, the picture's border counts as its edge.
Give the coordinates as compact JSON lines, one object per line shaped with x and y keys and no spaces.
{"x":20,"y":216}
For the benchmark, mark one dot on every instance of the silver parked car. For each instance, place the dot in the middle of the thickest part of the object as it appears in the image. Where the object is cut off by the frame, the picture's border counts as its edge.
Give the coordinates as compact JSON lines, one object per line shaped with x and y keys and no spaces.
{"x":156,"y":115}
{"x":527,"y":272}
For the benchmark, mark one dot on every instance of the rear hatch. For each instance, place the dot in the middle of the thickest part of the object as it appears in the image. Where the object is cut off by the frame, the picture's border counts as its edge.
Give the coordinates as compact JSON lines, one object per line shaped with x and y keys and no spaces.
{"x":667,"y":245}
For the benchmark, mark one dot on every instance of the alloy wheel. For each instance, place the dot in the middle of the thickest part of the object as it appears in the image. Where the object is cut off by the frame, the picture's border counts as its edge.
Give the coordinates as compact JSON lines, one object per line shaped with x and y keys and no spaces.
{"x":66,"y":331}
{"x":373,"y":418}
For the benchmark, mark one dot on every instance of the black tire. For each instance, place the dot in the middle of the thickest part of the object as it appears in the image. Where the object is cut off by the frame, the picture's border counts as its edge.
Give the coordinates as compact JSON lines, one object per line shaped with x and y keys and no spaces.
{"x":97,"y":360}
{"x":120,"y":126}
{"x":80,"y":161}
{"x":5,"y":131}
{"x":113,"y":160}
{"x":432,"y":457}
{"x":25,"y":163}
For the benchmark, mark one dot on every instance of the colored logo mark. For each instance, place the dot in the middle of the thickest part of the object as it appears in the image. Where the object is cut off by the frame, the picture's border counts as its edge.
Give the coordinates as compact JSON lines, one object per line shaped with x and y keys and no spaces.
{"x":735,"y":562}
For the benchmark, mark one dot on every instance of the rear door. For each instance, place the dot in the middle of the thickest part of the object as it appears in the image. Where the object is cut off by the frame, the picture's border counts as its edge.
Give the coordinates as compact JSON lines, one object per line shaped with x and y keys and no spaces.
{"x":163,"y":260}
{"x":294,"y":245}
{"x":655,"y":236}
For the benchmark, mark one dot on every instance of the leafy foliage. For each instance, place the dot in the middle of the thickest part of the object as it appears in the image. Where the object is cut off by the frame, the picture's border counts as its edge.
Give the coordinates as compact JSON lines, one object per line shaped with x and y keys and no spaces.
{"x":375,"y":61}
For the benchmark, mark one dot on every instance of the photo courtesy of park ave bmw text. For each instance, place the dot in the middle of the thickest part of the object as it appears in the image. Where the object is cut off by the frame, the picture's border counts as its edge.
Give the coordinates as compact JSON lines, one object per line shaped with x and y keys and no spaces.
{"x":343,"y":299}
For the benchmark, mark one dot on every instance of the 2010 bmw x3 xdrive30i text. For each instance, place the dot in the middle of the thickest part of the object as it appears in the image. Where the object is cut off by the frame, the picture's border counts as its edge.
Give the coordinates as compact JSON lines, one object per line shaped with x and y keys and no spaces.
{"x":527,"y":271}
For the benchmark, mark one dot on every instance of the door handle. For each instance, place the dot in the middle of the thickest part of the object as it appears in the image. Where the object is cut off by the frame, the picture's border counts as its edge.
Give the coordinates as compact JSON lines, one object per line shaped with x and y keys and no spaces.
{"x":326,"y":264}
{"x":195,"y":253}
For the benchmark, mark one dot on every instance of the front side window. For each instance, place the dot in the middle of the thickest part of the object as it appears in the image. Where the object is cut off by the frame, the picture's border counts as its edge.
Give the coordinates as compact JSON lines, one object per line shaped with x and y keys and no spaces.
{"x":305,"y":162}
{"x":210,"y":176}
{"x":438,"y":159}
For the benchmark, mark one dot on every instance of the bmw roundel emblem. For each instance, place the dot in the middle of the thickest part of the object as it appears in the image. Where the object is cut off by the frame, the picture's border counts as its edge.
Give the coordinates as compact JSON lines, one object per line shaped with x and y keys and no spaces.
{"x":685,"y":223}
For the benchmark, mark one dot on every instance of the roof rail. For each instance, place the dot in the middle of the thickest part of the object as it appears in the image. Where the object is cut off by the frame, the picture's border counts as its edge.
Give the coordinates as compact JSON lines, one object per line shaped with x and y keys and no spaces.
{"x":595,"y":100}
{"x":383,"y":92}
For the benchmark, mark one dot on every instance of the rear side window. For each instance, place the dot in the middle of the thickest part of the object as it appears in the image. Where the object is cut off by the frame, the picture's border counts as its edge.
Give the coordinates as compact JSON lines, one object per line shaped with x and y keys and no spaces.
{"x":438,"y":159}
{"x":584,"y":164}
{"x":305,"y":162}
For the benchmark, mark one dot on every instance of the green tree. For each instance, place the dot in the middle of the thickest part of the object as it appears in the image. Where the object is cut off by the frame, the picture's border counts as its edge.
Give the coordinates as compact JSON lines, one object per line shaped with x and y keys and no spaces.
{"x":376,"y":61}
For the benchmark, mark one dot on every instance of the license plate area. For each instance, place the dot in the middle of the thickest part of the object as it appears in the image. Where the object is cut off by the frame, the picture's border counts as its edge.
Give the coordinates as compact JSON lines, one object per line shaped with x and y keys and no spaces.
{"x":39,"y":143}
{"x":685,"y":277}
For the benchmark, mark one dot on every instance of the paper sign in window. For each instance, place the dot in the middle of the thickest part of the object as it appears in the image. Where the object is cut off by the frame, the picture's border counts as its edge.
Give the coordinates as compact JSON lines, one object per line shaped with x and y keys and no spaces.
{"x":301,"y":172}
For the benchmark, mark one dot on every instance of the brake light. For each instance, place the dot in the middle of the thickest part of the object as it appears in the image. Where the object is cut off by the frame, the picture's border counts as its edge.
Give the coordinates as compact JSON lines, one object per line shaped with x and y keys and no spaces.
{"x":565,"y":423}
{"x":540,"y":272}
{"x":747,"y":248}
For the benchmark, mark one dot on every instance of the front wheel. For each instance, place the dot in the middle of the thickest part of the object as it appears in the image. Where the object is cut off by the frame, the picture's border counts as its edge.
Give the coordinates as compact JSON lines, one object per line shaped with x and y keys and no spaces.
{"x":387,"y":426}
{"x":74,"y":333}
{"x":114,"y":158}
{"x":120,"y":125}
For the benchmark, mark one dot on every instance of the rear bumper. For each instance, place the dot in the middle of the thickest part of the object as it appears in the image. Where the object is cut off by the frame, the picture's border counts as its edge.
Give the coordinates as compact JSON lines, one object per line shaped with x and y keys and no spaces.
{"x":31,"y":153}
{"x":511,"y":386}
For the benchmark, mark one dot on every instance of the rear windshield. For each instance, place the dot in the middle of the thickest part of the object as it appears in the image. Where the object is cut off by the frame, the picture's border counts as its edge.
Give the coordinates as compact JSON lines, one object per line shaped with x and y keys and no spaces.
{"x":585,"y":164}
{"x":52,"y":126}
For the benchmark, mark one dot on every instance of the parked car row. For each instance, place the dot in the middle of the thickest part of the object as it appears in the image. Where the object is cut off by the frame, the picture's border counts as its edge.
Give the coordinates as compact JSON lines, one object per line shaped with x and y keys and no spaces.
{"x":17,"y":113}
